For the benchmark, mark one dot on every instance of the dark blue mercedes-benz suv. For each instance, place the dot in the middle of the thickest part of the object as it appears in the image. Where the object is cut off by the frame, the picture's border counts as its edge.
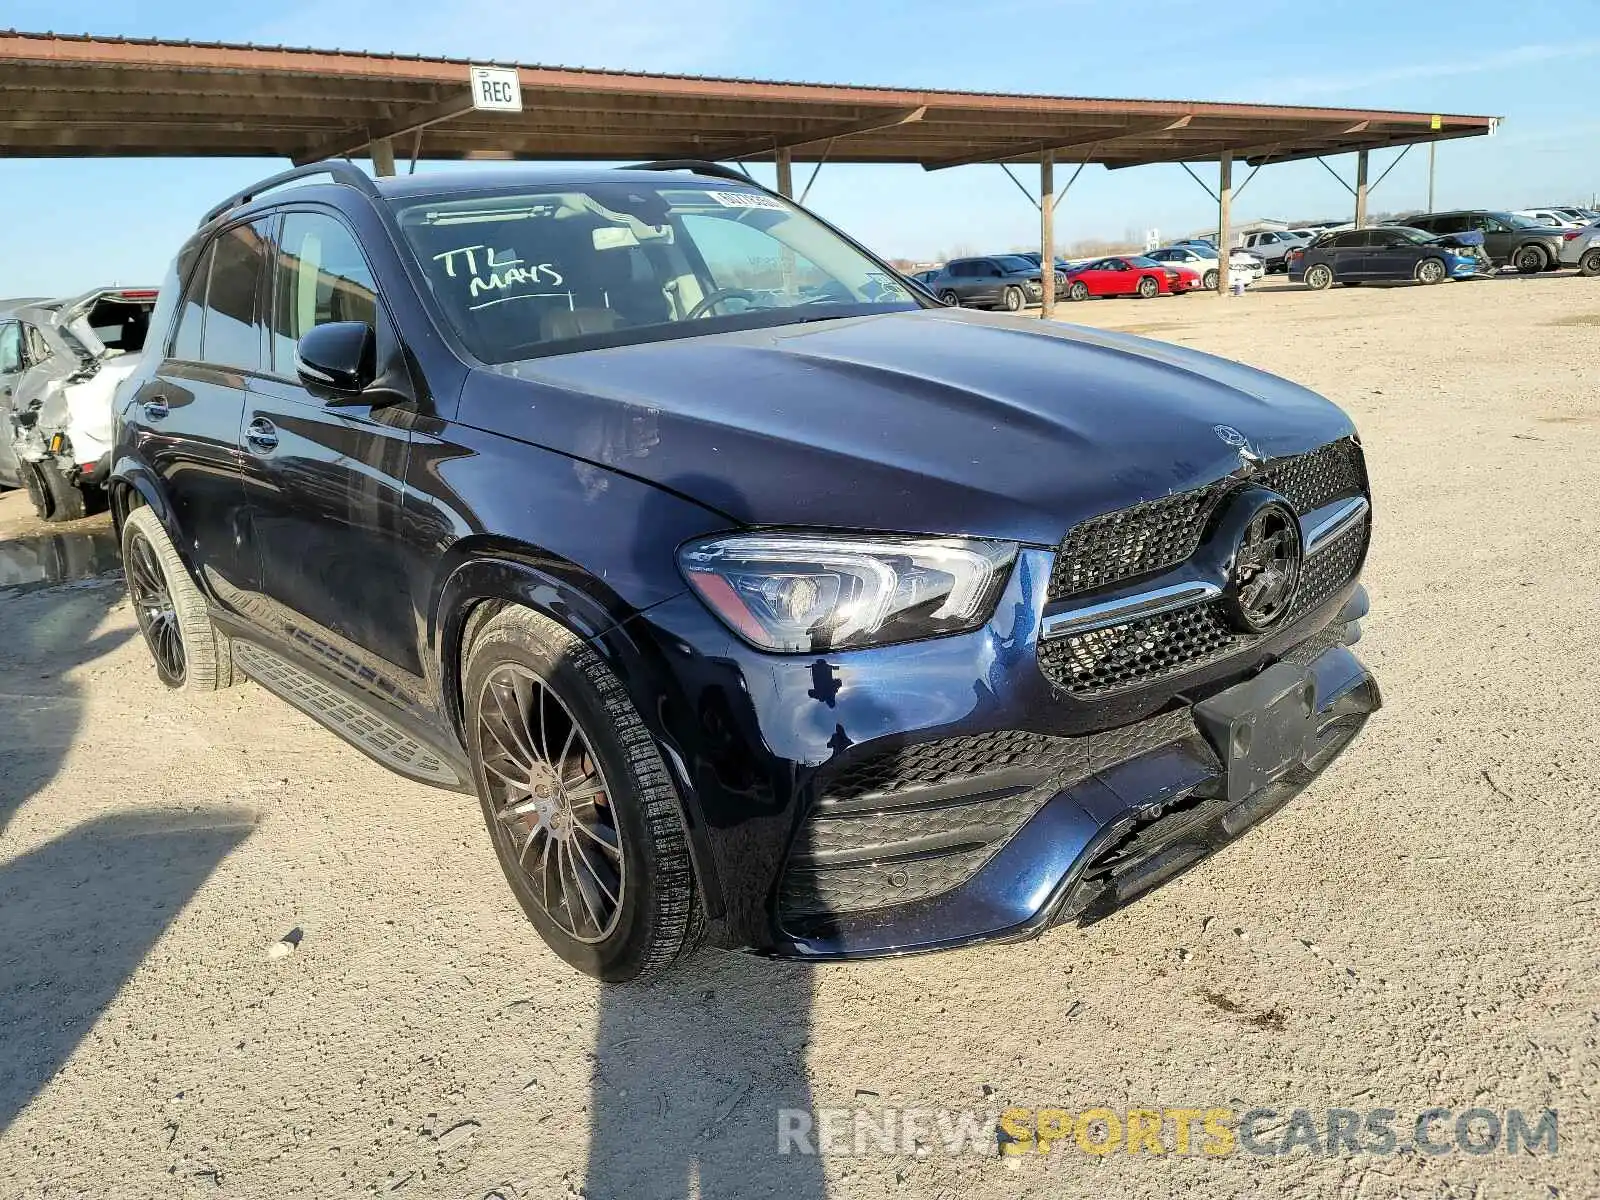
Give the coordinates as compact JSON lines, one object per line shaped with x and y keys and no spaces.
{"x":758,"y":598}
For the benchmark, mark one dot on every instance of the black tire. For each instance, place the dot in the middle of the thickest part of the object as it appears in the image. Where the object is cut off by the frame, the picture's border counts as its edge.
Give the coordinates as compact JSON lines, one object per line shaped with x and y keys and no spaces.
{"x":950,"y":299}
{"x":188,"y":651}
{"x":1589,"y":264}
{"x":1431,"y":271}
{"x":1077,"y":290}
{"x":1530,"y":259}
{"x":55,"y":497}
{"x":1148,"y":288}
{"x":1209,"y":281}
{"x":38,"y":493}
{"x":1012,"y":299}
{"x":1319,"y":277}
{"x":655,"y":917}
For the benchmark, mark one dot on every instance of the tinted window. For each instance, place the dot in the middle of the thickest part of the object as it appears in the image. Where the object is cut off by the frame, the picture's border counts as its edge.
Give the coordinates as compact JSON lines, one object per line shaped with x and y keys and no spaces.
{"x":322,"y":276}
{"x":232,"y":335}
{"x":10,"y":347}
{"x":1016,"y":263}
{"x":191,"y":316}
{"x":961,"y":270}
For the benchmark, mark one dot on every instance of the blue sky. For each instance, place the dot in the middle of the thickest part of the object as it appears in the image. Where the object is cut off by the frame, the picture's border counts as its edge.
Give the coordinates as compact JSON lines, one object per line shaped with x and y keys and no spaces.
{"x":67,"y":225}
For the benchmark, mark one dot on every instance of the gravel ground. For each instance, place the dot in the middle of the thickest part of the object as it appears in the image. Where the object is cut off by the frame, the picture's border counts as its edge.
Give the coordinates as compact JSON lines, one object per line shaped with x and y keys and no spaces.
{"x":1417,"y":930}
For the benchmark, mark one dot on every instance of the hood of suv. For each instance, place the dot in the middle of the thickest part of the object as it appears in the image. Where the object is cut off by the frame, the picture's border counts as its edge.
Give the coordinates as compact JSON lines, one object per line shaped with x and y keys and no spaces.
{"x":935,"y":421}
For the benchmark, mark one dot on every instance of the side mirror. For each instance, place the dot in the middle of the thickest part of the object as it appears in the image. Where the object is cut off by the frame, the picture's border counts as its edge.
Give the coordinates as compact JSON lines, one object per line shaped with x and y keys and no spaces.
{"x":341,"y":356}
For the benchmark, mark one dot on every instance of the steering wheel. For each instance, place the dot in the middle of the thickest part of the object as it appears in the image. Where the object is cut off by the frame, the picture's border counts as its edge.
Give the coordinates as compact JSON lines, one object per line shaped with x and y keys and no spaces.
{"x":717,"y":297}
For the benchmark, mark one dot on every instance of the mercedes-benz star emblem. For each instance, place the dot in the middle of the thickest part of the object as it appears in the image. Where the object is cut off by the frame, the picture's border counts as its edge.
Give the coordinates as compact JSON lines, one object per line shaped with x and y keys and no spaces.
{"x":1231,"y":436}
{"x":1266,"y":567}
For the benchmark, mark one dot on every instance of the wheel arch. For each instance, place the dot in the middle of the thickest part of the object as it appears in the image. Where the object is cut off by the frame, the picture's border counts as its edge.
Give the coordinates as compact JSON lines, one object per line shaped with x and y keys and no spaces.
{"x":129,"y":486}
{"x":481,"y":575}
{"x":484,"y":575}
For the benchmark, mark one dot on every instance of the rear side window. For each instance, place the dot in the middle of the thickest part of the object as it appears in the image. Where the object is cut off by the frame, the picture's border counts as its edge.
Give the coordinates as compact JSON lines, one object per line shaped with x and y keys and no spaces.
{"x":192,"y":314}
{"x":232,"y":336}
{"x":322,"y":277}
{"x":218,"y":321}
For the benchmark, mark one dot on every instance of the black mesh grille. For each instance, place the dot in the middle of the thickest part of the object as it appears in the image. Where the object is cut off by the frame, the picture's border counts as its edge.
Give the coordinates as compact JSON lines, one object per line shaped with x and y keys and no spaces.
{"x":1107,"y":660}
{"x":918,"y":820}
{"x":1133,"y":541}
{"x":951,"y":758}
{"x":1311,"y":480}
{"x":1325,"y":572}
{"x":1158,"y":534}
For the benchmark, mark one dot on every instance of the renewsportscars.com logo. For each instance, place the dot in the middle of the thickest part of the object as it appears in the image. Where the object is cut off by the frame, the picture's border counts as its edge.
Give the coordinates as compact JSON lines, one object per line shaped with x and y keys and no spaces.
{"x":1207,"y":1132}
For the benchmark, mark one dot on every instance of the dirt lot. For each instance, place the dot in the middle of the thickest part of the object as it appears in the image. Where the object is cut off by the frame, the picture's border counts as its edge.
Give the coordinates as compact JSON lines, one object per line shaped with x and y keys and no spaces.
{"x":1418,"y":930}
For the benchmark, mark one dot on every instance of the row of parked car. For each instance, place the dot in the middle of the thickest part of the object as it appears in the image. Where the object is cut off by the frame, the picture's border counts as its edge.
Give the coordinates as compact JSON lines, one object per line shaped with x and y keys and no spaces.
{"x":1426,"y":248}
{"x":1015,"y":281}
{"x":1433,"y":247}
{"x":60,"y":364}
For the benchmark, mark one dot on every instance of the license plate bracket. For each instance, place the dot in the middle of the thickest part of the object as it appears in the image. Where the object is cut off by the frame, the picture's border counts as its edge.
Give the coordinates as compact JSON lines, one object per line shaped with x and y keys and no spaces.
{"x":1261,"y":728}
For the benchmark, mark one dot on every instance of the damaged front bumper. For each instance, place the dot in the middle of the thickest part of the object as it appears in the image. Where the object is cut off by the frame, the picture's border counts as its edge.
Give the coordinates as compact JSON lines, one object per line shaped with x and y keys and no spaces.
{"x":1183,"y":786}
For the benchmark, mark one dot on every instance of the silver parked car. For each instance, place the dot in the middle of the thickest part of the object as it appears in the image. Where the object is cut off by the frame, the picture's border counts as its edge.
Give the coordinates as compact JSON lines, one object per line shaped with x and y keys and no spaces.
{"x":1581,"y":248}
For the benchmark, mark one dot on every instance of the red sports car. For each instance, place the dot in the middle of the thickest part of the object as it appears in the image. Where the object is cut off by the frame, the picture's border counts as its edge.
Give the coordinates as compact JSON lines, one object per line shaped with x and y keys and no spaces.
{"x":1128,"y":275}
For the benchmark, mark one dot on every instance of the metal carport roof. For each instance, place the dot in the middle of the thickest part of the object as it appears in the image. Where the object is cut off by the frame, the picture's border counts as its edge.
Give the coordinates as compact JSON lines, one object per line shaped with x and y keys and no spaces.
{"x":85,"y":96}
{"x":90,"y":97}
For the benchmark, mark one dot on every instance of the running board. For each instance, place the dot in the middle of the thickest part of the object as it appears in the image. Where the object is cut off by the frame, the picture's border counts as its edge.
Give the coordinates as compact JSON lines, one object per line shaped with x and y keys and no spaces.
{"x":345,"y":716}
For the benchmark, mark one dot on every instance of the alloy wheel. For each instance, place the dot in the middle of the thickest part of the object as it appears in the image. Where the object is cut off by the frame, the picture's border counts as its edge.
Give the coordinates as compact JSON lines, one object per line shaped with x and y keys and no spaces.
{"x":552,"y":803}
{"x":155,"y":609}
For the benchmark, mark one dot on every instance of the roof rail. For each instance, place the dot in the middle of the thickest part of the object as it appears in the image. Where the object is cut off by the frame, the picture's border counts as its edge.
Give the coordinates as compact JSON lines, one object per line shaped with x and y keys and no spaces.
{"x":340,"y":170}
{"x":700,"y":166}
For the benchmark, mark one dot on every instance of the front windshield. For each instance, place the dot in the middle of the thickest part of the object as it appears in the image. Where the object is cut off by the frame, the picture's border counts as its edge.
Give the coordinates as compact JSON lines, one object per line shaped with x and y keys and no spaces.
{"x":1142,"y":261}
{"x":1015,"y":262}
{"x":597,"y":264}
{"x":1517,"y":221}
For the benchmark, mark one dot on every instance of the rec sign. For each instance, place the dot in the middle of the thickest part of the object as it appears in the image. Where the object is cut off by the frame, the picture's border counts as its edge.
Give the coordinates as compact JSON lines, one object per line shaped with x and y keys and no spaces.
{"x":496,"y":88}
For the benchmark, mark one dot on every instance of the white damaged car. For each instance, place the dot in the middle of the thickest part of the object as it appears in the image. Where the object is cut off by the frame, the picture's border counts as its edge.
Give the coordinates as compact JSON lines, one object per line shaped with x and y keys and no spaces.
{"x":68,"y":358}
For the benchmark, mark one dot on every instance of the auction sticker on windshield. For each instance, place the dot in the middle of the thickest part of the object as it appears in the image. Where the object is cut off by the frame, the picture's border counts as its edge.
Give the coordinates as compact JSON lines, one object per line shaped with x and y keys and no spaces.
{"x":746,"y":200}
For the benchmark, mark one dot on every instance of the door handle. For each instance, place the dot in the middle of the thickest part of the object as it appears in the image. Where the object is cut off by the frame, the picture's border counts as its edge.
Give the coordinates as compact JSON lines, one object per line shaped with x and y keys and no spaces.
{"x":155,"y":409}
{"x":262,"y":434}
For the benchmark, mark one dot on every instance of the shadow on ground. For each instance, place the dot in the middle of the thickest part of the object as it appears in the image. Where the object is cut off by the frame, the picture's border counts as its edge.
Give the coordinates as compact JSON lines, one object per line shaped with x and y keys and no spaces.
{"x":689,"y":1078}
{"x":77,"y":914}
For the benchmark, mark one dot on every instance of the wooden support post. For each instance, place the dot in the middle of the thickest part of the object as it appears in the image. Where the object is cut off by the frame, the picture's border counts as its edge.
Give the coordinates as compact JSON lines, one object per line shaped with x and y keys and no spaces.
{"x":1433,"y":148}
{"x":1224,"y":215}
{"x":382,"y":152}
{"x":1047,"y":233}
{"x":785,"y":172}
{"x":1361,"y":189}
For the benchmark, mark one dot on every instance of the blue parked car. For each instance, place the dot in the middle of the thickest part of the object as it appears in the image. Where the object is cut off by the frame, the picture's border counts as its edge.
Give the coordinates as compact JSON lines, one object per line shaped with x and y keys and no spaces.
{"x":1388,"y":252}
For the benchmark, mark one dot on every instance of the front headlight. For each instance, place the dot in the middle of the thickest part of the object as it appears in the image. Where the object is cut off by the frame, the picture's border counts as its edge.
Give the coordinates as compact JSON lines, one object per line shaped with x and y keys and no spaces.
{"x":805,"y":593}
